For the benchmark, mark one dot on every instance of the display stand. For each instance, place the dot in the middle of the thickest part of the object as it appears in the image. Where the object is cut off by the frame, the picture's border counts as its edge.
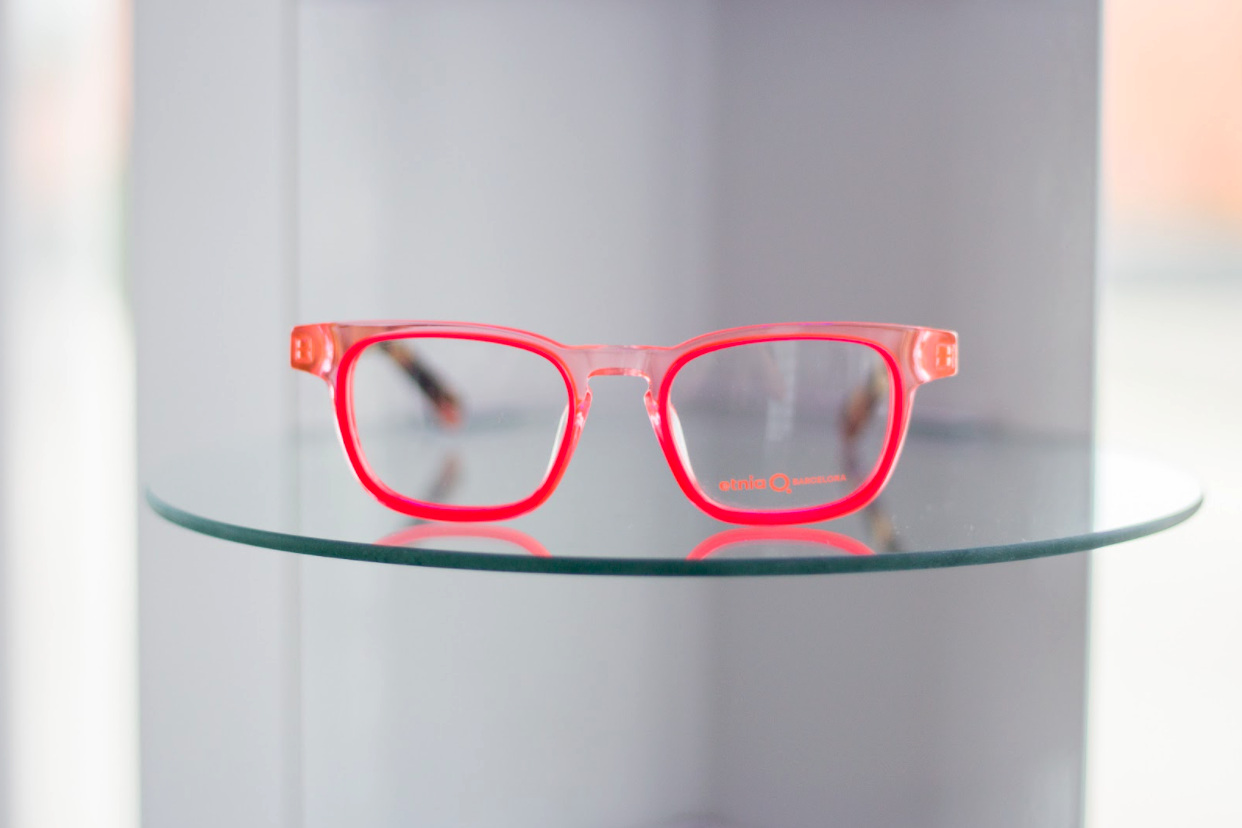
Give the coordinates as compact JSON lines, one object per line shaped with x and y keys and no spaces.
{"x":625,"y":173}
{"x":432,"y":696}
{"x":956,"y":500}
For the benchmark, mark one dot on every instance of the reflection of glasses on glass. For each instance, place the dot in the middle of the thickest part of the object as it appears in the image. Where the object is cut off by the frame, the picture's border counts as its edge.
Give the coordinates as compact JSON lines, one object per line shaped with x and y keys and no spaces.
{"x":771,"y":424}
{"x":785,"y":538}
{"x":425,"y":532}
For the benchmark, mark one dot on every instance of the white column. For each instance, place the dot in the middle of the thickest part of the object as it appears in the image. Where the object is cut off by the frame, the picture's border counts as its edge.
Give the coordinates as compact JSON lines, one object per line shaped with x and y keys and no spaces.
{"x":212,"y":258}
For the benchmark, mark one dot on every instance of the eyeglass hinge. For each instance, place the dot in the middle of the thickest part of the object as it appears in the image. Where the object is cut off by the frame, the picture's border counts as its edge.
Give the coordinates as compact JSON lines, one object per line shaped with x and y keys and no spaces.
{"x":935,"y":355}
{"x":310,"y":349}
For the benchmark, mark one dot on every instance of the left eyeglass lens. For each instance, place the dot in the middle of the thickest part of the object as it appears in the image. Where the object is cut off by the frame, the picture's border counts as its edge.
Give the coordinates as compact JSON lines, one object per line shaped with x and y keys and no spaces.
{"x":782,"y":425}
{"x":451,"y":421}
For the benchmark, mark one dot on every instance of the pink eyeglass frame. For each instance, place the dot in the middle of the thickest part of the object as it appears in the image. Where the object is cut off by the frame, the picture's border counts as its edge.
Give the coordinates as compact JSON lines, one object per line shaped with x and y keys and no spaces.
{"x":914,"y":356}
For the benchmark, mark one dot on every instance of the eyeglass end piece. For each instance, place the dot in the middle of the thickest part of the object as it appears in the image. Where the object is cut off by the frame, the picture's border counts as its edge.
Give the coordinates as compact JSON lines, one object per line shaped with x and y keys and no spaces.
{"x":935,"y":355}
{"x":310,"y":349}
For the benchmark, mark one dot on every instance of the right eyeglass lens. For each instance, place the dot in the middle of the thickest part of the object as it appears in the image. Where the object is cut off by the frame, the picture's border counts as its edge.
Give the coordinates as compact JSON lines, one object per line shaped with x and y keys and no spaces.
{"x":785,"y":424}
{"x":511,"y":405}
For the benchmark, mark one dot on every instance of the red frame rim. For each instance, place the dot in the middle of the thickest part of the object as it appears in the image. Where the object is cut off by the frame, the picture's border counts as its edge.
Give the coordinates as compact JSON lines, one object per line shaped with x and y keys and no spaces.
{"x":343,"y":401}
{"x":859,"y":498}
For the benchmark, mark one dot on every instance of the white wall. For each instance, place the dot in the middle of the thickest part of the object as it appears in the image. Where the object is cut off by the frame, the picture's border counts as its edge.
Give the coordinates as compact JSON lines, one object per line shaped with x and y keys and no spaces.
{"x":537,"y":164}
{"x":543,"y":164}
{"x":931,"y":164}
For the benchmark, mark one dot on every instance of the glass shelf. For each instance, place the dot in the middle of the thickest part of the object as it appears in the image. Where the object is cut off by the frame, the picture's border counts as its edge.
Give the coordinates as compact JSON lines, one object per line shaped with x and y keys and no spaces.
{"x":956,"y":499}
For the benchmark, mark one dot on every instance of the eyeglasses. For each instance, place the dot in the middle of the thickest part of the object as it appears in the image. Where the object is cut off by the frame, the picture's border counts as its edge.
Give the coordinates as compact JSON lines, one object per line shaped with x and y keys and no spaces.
{"x":769,"y":424}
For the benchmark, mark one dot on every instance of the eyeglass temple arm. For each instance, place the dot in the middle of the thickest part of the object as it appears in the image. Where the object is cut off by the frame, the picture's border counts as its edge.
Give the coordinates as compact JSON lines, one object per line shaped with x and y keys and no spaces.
{"x":935,"y":358}
{"x":861,"y":404}
{"x":313,"y":347}
{"x":444,"y":401}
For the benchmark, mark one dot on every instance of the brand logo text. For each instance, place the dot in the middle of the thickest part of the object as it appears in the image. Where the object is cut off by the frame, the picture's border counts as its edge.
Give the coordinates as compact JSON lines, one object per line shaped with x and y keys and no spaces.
{"x":778,"y":482}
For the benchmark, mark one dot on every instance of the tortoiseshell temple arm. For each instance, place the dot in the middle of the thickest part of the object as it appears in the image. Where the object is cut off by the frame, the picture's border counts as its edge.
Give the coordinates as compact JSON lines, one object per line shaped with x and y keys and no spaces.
{"x":316,"y":350}
{"x":861,"y":403}
{"x":935,"y":358}
{"x":445,"y":402}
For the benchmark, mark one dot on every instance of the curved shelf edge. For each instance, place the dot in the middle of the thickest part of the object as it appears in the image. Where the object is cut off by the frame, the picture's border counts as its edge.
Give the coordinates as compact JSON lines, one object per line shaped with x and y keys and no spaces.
{"x":444,"y":559}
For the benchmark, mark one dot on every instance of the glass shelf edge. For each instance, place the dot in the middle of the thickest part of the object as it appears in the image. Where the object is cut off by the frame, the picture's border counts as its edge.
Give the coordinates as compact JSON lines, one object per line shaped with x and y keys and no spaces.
{"x":652,"y":567}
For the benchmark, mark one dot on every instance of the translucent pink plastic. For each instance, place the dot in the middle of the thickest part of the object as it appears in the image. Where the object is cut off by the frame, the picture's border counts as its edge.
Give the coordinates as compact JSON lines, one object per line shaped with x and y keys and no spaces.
{"x":913,"y":355}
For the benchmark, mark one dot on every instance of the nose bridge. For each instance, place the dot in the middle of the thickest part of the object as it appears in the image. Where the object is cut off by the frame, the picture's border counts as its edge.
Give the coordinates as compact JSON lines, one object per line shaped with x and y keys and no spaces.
{"x":619,"y":361}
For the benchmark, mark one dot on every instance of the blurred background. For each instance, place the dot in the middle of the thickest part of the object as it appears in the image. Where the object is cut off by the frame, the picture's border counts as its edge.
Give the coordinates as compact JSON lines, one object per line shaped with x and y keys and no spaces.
{"x":68,"y":488}
{"x":1164,"y":734}
{"x":1165,"y":629}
